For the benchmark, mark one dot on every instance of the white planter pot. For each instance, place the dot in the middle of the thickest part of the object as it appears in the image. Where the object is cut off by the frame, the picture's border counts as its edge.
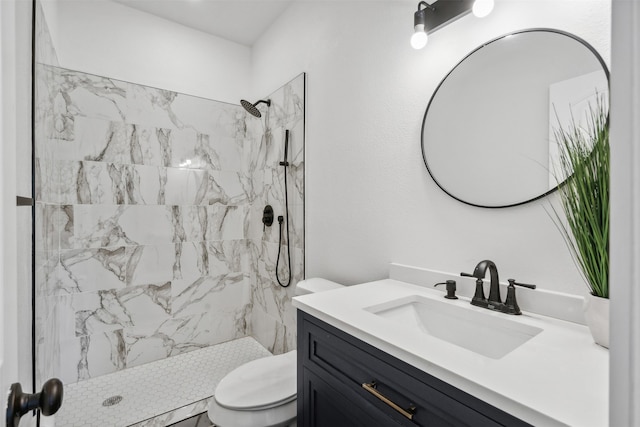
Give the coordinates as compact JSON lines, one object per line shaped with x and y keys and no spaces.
{"x":596,"y":314}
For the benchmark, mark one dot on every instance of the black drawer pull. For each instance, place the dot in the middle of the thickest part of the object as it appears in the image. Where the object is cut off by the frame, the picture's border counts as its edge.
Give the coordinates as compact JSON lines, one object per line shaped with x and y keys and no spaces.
{"x":371,"y":388}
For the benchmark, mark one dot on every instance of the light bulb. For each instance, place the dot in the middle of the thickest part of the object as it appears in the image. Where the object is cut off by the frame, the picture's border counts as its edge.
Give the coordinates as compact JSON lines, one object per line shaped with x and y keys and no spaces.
{"x":482,"y":8}
{"x":419,"y":38}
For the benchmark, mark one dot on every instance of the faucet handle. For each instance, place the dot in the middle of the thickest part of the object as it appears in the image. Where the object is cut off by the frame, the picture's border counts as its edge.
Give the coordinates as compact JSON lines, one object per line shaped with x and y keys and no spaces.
{"x":479,"y":298}
{"x":467,"y":275}
{"x":525,"y":285}
{"x":511,"y":305}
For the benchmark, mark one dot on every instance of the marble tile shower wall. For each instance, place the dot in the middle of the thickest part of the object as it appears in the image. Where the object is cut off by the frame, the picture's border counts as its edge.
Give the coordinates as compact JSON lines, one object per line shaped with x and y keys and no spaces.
{"x":273,"y":319}
{"x":144,"y":212}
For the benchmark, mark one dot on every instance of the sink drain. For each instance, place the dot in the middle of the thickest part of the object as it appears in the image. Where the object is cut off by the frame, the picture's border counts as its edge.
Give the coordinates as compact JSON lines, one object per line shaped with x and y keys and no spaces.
{"x":113,"y":400}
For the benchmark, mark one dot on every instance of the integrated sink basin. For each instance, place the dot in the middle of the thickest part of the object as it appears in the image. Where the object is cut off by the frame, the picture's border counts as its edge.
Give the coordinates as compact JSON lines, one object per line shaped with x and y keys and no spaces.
{"x":493,"y":335}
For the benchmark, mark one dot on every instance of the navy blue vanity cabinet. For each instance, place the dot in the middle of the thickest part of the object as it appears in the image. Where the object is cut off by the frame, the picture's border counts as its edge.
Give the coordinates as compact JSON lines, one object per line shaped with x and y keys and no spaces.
{"x":343,"y":381}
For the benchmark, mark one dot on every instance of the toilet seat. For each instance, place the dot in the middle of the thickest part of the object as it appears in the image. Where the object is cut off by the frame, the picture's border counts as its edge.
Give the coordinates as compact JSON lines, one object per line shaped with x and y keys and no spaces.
{"x":281,"y":416}
{"x":272,"y":383}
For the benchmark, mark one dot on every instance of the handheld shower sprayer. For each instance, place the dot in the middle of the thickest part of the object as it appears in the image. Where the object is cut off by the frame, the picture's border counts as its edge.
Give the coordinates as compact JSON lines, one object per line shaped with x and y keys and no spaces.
{"x":253,"y":108}
{"x":285,"y":163}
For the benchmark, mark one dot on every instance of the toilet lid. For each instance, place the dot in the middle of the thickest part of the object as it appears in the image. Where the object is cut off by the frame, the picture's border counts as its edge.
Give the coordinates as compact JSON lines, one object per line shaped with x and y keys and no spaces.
{"x":259,"y":384}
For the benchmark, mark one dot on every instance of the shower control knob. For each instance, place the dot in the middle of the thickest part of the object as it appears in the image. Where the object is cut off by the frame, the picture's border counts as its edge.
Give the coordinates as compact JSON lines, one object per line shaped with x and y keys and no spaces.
{"x":267,"y":216}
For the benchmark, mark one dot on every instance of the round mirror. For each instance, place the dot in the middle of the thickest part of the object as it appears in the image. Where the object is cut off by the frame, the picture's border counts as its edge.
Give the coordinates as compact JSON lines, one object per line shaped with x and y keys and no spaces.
{"x":487,"y":134}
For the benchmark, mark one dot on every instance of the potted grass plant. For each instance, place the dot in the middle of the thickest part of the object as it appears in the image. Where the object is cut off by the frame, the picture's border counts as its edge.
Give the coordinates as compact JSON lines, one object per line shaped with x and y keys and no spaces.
{"x":584,"y":195}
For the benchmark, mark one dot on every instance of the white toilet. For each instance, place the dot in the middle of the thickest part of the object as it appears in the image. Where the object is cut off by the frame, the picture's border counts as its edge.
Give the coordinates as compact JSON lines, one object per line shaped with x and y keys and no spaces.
{"x":262,"y":393}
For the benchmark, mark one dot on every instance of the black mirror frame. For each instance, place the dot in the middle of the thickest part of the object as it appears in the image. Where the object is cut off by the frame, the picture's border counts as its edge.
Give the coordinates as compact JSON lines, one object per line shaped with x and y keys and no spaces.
{"x":550,"y":30}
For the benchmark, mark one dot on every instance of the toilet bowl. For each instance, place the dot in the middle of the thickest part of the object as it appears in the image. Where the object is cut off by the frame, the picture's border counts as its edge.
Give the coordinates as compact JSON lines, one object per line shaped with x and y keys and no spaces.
{"x":262,"y":393}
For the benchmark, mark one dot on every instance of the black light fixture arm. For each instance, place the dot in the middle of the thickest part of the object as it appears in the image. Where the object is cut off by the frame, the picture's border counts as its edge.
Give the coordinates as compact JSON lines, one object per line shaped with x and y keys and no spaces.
{"x":442,"y":13}
{"x":426,"y":6}
{"x":420,"y":17}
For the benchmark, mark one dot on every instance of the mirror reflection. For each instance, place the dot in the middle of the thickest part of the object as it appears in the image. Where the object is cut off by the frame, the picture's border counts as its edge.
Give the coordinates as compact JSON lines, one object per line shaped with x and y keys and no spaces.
{"x":487,"y":135}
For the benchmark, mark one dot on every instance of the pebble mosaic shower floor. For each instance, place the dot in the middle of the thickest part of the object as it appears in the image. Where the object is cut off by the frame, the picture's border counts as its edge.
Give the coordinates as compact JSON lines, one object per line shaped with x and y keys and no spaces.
{"x":160,"y":393}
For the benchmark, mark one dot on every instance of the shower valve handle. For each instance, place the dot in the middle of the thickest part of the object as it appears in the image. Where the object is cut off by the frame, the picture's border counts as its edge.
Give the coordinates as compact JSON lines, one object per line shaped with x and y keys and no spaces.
{"x":267,"y":217}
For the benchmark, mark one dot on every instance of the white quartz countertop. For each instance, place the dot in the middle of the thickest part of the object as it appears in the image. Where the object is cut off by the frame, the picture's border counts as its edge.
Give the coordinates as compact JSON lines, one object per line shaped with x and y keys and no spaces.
{"x":559,"y":377}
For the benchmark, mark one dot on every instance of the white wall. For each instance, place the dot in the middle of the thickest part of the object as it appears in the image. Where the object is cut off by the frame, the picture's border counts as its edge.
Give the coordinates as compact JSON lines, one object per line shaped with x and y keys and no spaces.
{"x":15,"y":167}
{"x":370,"y":200}
{"x":109,"y":39}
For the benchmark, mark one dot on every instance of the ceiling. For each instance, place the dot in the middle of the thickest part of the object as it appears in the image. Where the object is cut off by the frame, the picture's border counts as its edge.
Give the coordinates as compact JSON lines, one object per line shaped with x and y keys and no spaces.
{"x":241,"y":21}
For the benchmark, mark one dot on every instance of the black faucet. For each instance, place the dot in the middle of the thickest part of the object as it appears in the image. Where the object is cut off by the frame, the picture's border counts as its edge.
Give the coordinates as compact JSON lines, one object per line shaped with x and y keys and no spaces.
{"x":479,"y":273}
{"x":494,"y":302}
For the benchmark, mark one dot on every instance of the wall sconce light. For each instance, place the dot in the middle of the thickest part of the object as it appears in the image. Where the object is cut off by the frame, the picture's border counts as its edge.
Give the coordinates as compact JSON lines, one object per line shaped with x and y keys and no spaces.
{"x":419,"y":38}
{"x":430,"y":17}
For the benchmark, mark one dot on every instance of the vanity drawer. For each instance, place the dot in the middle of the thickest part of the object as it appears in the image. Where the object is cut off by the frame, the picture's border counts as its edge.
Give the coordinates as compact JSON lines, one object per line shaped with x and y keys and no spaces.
{"x":403,"y":393}
{"x":331,"y":403}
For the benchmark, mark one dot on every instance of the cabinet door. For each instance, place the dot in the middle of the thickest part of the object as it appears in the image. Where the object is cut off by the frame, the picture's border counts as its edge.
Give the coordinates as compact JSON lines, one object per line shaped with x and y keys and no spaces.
{"x":327,"y":403}
{"x":349,"y":365}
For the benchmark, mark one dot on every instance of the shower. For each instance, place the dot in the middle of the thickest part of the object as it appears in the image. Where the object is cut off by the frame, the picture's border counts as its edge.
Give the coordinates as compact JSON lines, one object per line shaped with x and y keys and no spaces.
{"x":105,"y":304}
{"x":252,"y":108}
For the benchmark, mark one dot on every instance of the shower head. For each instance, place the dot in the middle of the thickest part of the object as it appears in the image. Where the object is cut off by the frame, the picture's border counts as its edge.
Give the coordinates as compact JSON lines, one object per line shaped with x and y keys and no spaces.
{"x":252,"y":109}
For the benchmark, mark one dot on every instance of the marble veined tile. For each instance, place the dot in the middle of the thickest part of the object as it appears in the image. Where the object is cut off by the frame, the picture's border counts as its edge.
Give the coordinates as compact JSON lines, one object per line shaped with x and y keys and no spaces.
{"x":106,"y":183}
{"x":97,"y":140}
{"x":219,"y":293}
{"x":267,"y":293}
{"x":192,"y":262}
{"x":275,"y":336}
{"x":287,"y":104}
{"x":225,"y":222}
{"x":149,"y":106}
{"x":86,"y":270}
{"x":54,"y":316}
{"x":213,"y":118}
{"x":96,"y":226}
{"x":115,"y":309}
{"x":46,"y":181}
{"x":183,"y":334}
{"x":151,"y":146}
{"x":231,"y":255}
{"x":116,"y":184}
{"x":119,"y":142}
{"x":50,"y":222}
{"x":209,"y":259}
{"x":186,"y":186}
{"x":216,"y":151}
{"x":153,"y":264}
{"x":91,"y":183}
{"x":227,"y":188}
{"x":171,"y":110}
{"x":101,"y":183}
{"x":91,"y":356}
{"x":72,"y":93}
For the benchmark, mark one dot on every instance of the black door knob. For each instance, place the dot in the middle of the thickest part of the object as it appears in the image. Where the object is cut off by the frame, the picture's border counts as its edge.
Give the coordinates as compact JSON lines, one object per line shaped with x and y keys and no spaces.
{"x":19,"y":403}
